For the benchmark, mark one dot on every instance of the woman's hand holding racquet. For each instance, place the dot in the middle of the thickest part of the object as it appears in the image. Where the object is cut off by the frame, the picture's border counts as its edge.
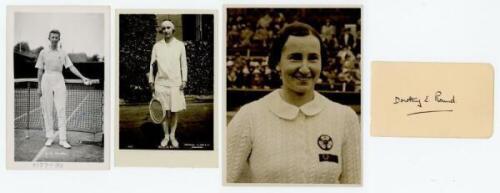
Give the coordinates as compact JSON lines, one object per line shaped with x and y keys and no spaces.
{"x":183,"y":86}
{"x":39,"y":91}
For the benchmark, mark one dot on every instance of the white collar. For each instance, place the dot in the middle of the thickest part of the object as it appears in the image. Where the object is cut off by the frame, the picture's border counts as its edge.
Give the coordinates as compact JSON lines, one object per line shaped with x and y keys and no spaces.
{"x":282,"y":109}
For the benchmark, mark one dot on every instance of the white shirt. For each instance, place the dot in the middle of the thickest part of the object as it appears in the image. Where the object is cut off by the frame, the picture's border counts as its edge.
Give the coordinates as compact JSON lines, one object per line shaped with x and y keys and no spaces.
{"x":53,"y":60}
{"x":172,"y":63}
{"x":271,"y":141}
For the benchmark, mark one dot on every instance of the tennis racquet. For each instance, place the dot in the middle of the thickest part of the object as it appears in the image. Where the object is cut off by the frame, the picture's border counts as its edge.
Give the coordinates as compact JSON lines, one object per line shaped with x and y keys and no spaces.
{"x":156,"y":110}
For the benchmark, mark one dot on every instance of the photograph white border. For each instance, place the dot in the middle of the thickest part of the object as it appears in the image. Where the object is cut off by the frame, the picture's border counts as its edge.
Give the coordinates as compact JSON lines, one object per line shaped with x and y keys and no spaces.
{"x":224,"y":93}
{"x":11,"y":164}
{"x":165,"y":158}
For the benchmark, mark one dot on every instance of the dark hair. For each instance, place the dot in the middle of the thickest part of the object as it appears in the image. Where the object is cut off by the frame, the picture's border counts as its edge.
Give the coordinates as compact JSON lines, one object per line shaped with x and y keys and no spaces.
{"x":294,"y":29}
{"x":54,"y":31}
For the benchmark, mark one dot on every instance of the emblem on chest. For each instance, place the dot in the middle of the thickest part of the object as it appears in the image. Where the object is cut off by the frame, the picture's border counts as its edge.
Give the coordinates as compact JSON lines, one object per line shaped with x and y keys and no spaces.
{"x":325,"y":142}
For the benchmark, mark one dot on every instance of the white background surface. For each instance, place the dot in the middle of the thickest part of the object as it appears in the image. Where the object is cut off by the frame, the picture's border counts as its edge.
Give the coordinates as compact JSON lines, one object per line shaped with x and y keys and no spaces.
{"x":417,"y":30}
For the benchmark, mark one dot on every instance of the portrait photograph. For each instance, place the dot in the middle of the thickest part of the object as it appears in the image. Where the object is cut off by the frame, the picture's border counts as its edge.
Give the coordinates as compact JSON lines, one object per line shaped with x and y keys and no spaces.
{"x":293,"y":95}
{"x":165,"y":84}
{"x":58,"y":60}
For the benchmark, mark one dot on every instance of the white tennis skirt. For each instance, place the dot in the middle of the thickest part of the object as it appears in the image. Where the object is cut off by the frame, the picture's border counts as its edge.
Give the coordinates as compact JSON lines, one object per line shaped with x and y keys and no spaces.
{"x":171,"y":97}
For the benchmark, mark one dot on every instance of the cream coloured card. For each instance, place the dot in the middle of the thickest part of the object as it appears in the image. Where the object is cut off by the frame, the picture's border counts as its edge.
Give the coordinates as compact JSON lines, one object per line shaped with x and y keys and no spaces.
{"x":448,"y":100}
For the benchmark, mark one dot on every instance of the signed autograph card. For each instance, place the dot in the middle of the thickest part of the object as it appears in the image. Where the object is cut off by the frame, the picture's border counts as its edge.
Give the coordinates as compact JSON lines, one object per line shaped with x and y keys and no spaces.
{"x":448,"y":100}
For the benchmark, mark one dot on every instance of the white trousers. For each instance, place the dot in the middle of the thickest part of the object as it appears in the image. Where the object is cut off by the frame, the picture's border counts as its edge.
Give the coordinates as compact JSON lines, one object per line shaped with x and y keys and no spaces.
{"x":54,"y":94}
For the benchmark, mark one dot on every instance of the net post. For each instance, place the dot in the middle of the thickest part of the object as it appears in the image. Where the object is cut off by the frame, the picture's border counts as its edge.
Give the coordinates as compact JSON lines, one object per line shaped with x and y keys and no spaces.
{"x":28,"y":110}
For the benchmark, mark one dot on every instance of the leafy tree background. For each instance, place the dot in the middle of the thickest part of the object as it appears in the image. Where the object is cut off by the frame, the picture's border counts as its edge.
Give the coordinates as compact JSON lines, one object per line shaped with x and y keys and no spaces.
{"x":137,"y":37}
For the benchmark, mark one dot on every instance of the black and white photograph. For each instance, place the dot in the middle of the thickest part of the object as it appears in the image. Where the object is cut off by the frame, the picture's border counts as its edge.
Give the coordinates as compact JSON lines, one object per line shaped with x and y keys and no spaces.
{"x":166,"y":82}
{"x":293,"y":78}
{"x":58,"y":75}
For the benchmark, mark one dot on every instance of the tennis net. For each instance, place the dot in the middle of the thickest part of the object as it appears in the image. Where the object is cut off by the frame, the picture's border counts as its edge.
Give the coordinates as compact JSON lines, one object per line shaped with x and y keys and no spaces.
{"x":84,"y":106}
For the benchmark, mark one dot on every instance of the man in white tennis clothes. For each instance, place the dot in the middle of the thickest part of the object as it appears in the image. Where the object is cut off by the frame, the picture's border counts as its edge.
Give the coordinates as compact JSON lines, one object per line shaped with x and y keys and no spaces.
{"x":170,"y":81}
{"x":52,"y":88}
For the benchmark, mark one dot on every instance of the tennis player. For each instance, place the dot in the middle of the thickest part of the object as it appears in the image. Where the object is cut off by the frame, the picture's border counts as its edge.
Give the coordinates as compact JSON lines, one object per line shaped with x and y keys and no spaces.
{"x":295,"y":134}
{"x":170,"y":81}
{"x":52,"y":88}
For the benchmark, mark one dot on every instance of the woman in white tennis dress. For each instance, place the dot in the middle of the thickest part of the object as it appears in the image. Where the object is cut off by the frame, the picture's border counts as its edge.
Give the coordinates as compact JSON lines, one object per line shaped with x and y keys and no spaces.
{"x":294,"y":134}
{"x":52,"y":88}
{"x":170,"y":80}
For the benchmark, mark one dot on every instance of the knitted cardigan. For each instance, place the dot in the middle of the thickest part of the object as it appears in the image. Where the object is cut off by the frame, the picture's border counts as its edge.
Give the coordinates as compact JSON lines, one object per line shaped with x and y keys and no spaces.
{"x":271,"y":141}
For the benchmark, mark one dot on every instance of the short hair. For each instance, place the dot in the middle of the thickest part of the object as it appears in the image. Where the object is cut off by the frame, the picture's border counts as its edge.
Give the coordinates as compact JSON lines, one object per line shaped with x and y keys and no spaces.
{"x":161,"y":31}
{"x":55,"y":31}
{"x":294,"y":29}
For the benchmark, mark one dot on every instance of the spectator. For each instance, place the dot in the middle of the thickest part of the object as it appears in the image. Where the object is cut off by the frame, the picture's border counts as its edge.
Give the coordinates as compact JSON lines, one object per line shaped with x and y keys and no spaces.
{"x":346,"y":39}
{"x":347,"y":77}
{"x":330,"y":75}
{"x":246,"y":36}
{"x":233,"y":36}
{"x":240,"y":23}
{"x":261,"y":37}
{"x":265,"y":21}
{"x":256,"y":78}
{"x":349,"y":60}
{"x":278,"y":23}
{"x":327,"y":32}
{"x":357,"y":44}
{"x":268,"y":76}
{"x":357,"y":73}
{"x":246,"y":78}
{"x":232,"y":78}
{"x":254,"y":63}
{"x":238,"y":61}
{"x":230,"y":21}
{"x":345,"y":54}
{"x":252,"y":72}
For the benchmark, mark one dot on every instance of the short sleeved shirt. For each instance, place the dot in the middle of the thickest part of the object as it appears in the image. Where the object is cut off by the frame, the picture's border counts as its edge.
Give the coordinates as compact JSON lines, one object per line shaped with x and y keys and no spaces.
{"x":53,"y":60}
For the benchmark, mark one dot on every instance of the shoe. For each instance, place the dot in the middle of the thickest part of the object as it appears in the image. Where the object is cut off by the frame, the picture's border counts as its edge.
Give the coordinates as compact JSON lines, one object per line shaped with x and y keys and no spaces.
{"x":164,"y":142}
{"x":174,"y":142}
{"x":65,"y":144}
{"x":49,"y":142}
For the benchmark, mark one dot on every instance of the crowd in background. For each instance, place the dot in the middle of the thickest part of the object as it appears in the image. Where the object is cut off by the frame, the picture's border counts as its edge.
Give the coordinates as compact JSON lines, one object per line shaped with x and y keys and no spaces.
{"x":249,"y":38}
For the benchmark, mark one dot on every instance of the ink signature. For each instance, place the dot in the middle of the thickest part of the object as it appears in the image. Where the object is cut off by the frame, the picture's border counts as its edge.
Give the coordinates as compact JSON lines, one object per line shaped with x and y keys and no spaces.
{"x":420,"y":101}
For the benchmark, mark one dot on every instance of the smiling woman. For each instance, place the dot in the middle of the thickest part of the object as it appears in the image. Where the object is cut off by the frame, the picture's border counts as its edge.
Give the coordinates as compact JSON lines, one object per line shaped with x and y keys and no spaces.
{"x":295,"y":134}
{"x":299,"y":50}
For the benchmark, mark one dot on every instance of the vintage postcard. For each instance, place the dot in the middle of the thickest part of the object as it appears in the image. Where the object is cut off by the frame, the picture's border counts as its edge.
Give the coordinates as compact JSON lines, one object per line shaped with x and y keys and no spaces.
{"x":57,"y":87}
{"x":293,"y":95}
{"x":432,"y":99}
{"x":165,"y":80}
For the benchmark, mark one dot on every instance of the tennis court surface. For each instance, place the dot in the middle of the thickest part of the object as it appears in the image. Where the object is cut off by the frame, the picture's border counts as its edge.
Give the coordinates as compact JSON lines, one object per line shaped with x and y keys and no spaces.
{"x":194,"y":129}
{"x":84,"y":122}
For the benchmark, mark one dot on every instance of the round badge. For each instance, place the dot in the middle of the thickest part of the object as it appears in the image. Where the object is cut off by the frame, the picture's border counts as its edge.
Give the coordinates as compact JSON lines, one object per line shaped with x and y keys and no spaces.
{"x":325,"y":142}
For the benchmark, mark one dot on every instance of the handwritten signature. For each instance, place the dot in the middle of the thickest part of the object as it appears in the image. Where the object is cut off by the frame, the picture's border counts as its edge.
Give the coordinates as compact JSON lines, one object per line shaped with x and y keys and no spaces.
{"x":427,"y":99}
{"x":438,"y":98}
